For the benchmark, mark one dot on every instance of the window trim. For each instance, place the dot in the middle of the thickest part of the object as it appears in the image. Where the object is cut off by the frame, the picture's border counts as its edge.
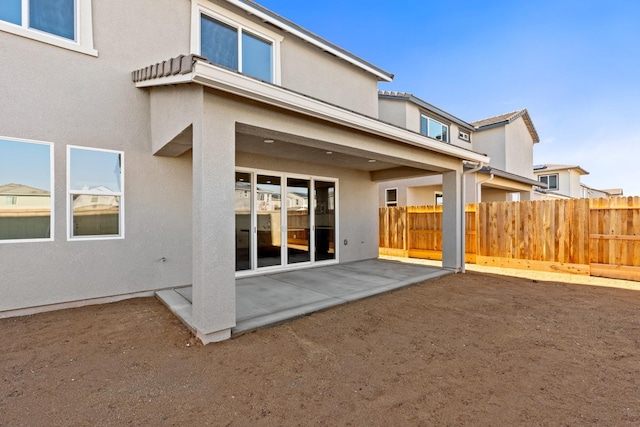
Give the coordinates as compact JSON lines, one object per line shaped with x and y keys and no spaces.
{"x":426,"y":131}
{"x":438,"y":195}
{"x":557,"y":187}
{"x":200,"y":7}
{"x":83,"y":30}
{"x":464,"y":135}
{"x":387,"y":202}
{"x":51,"y":191}
{"x":71,"y":193}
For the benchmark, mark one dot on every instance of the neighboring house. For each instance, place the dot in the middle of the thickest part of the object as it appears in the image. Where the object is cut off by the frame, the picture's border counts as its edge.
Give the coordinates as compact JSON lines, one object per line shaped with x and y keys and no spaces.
{"x":24,"y":212}
{"x":187,"y":115}
{"x":507,"y":139}
{"x":592,"y":193}
{"x":563,"y":182}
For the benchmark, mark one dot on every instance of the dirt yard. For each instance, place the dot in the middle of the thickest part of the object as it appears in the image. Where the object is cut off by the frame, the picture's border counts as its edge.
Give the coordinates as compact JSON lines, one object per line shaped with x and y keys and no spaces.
{"x":474,"y":349}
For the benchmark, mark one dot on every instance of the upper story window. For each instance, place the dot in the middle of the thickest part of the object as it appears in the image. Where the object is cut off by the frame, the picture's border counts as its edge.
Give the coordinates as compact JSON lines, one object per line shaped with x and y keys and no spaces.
{"x":235,"y":42}
{"x":26,"y":184}
{"x":465,"y":136}
{"x":63,"y":23}
{"x":434,"y":129}
{"x":550,"y":180}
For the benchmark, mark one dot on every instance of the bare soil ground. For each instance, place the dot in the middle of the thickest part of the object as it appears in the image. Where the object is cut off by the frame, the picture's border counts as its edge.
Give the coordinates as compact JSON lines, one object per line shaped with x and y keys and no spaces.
{"x":474,"y":349}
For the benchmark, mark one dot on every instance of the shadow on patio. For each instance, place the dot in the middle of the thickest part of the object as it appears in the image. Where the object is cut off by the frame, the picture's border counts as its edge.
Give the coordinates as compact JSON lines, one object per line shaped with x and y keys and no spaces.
{"x":273,"y":298}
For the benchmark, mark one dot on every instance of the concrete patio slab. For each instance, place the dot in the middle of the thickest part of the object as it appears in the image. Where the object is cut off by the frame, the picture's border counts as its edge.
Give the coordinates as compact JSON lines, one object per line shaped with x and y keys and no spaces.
{"x":270,"y":299}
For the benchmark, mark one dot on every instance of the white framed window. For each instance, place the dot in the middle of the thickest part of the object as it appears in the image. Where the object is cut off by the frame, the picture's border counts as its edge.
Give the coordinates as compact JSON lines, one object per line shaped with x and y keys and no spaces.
{"x":438,"y":198}
{"x":551,"y":181}
{"x":391,"y":197}
{"x":63,"y":23}
{"x":235,"y":42}
{"x":434,"y":129}
{"x":95,"y":193}
{"x":465,"y":136}
{"x":26,"y":190}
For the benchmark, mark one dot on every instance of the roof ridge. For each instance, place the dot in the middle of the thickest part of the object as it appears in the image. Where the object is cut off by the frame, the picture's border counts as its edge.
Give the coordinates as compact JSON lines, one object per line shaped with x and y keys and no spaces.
{"x":510,"y":115}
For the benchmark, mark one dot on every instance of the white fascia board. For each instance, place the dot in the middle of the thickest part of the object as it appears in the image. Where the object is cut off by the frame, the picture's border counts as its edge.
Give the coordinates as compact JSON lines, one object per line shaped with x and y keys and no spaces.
{"x":288,"y":28}
{"x":232,"y":82}
{"x":229,"y":81}
{"x":169,"y":80}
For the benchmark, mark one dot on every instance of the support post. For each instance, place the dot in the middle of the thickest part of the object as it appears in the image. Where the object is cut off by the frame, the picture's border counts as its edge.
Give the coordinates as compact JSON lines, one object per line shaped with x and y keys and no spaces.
{"x":214,"y":292}
{"x":452,"y":211}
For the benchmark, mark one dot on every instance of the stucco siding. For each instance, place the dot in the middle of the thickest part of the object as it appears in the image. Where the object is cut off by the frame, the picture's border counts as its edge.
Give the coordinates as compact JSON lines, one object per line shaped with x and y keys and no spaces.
{"x":308,"y":70}
{"x":393,"y":112}
{"x":68,"y":98}
{"x":492,"y":143}
{"x":519,"y":149}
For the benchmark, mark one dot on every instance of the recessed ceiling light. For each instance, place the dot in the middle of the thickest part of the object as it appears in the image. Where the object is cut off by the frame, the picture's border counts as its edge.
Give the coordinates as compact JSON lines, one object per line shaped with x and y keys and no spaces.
{"x":372,"y":161}
{"x":269,"y":141}
{"x":328,"y":152}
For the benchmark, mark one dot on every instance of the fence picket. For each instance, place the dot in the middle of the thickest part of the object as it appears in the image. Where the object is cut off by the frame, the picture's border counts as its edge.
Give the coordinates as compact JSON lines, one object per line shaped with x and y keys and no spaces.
{"x":600,"y":237}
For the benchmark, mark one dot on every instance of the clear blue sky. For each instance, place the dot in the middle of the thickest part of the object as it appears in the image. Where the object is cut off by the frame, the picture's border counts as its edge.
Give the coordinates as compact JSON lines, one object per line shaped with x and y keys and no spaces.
{"x":574,"y":64}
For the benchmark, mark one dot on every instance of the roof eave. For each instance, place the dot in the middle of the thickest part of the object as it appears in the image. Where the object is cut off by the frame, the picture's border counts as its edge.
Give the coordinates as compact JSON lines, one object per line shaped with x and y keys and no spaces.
{"x":292,"y":28}
{"x":209,"y":75}
{"x":421,"y":103}
{"x":513,"y":177}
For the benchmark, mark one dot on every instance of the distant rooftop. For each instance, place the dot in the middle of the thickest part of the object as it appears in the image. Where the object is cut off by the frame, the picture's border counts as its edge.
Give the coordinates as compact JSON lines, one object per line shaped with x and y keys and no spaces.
{"x":550,"y":167}
{"x":21,"y":190}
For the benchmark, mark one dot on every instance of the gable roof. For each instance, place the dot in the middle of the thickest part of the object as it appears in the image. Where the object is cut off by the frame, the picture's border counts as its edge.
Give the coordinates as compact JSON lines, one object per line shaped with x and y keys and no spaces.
{"x":505,"y":119}
{"x":284,"y":24}
{"x":21,"y":190}
{"x":385,"y":94}
{"x":549,"y":167}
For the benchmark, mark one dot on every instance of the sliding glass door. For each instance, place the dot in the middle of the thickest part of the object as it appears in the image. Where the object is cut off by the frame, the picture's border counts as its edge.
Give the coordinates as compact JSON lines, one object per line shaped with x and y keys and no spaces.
{"x":283,"y":221}
{"x":243,"y":205}
{"x":269,"y":220}
{"x":325,"y":220}
{"x":298,"y":221}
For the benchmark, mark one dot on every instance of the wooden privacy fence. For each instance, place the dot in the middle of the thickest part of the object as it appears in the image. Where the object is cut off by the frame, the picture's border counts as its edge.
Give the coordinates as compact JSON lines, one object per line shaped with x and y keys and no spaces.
{"x":598,"y":237}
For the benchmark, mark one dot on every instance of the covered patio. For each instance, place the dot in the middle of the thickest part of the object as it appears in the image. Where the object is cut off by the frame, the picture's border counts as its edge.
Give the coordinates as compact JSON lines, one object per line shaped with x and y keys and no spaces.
{"x":269,"y":299}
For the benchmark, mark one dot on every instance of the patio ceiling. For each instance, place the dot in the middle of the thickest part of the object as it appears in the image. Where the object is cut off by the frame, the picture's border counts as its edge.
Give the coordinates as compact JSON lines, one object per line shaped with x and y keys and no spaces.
{"x":250,"y":139}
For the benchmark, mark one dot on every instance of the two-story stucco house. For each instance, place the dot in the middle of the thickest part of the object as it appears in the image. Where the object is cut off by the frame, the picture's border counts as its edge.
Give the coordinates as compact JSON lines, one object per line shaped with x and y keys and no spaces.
{"x":179,"y":141}
{"x":564,"y":182}
{"x":508,"y":139}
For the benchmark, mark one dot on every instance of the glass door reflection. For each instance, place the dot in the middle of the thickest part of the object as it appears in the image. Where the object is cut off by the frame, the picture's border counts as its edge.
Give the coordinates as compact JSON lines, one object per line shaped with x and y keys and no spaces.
{"x":325,"y":219}
{"x":243,"y":197}
{"x":298,"y":221}
{"x":269,"y":220}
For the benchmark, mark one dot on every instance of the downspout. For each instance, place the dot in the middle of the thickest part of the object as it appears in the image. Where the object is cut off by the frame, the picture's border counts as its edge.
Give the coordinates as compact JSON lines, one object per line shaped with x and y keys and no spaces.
{"x":463,"y":236}
{"x":479,"y":184}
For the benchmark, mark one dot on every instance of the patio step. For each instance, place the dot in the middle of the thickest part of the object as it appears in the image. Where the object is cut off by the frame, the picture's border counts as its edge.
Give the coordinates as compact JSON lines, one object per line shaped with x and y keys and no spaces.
{"x":177,"y":304}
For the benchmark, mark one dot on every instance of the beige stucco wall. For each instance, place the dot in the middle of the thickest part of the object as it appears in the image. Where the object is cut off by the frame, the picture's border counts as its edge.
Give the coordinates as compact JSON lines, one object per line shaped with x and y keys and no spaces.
{"x":65,"y":97}
{"x":307,"y":69}
{"x":417,"y":196}
{"x":492,"y":143}
{"x":395,"y":113}
{"x":519,"y":149}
